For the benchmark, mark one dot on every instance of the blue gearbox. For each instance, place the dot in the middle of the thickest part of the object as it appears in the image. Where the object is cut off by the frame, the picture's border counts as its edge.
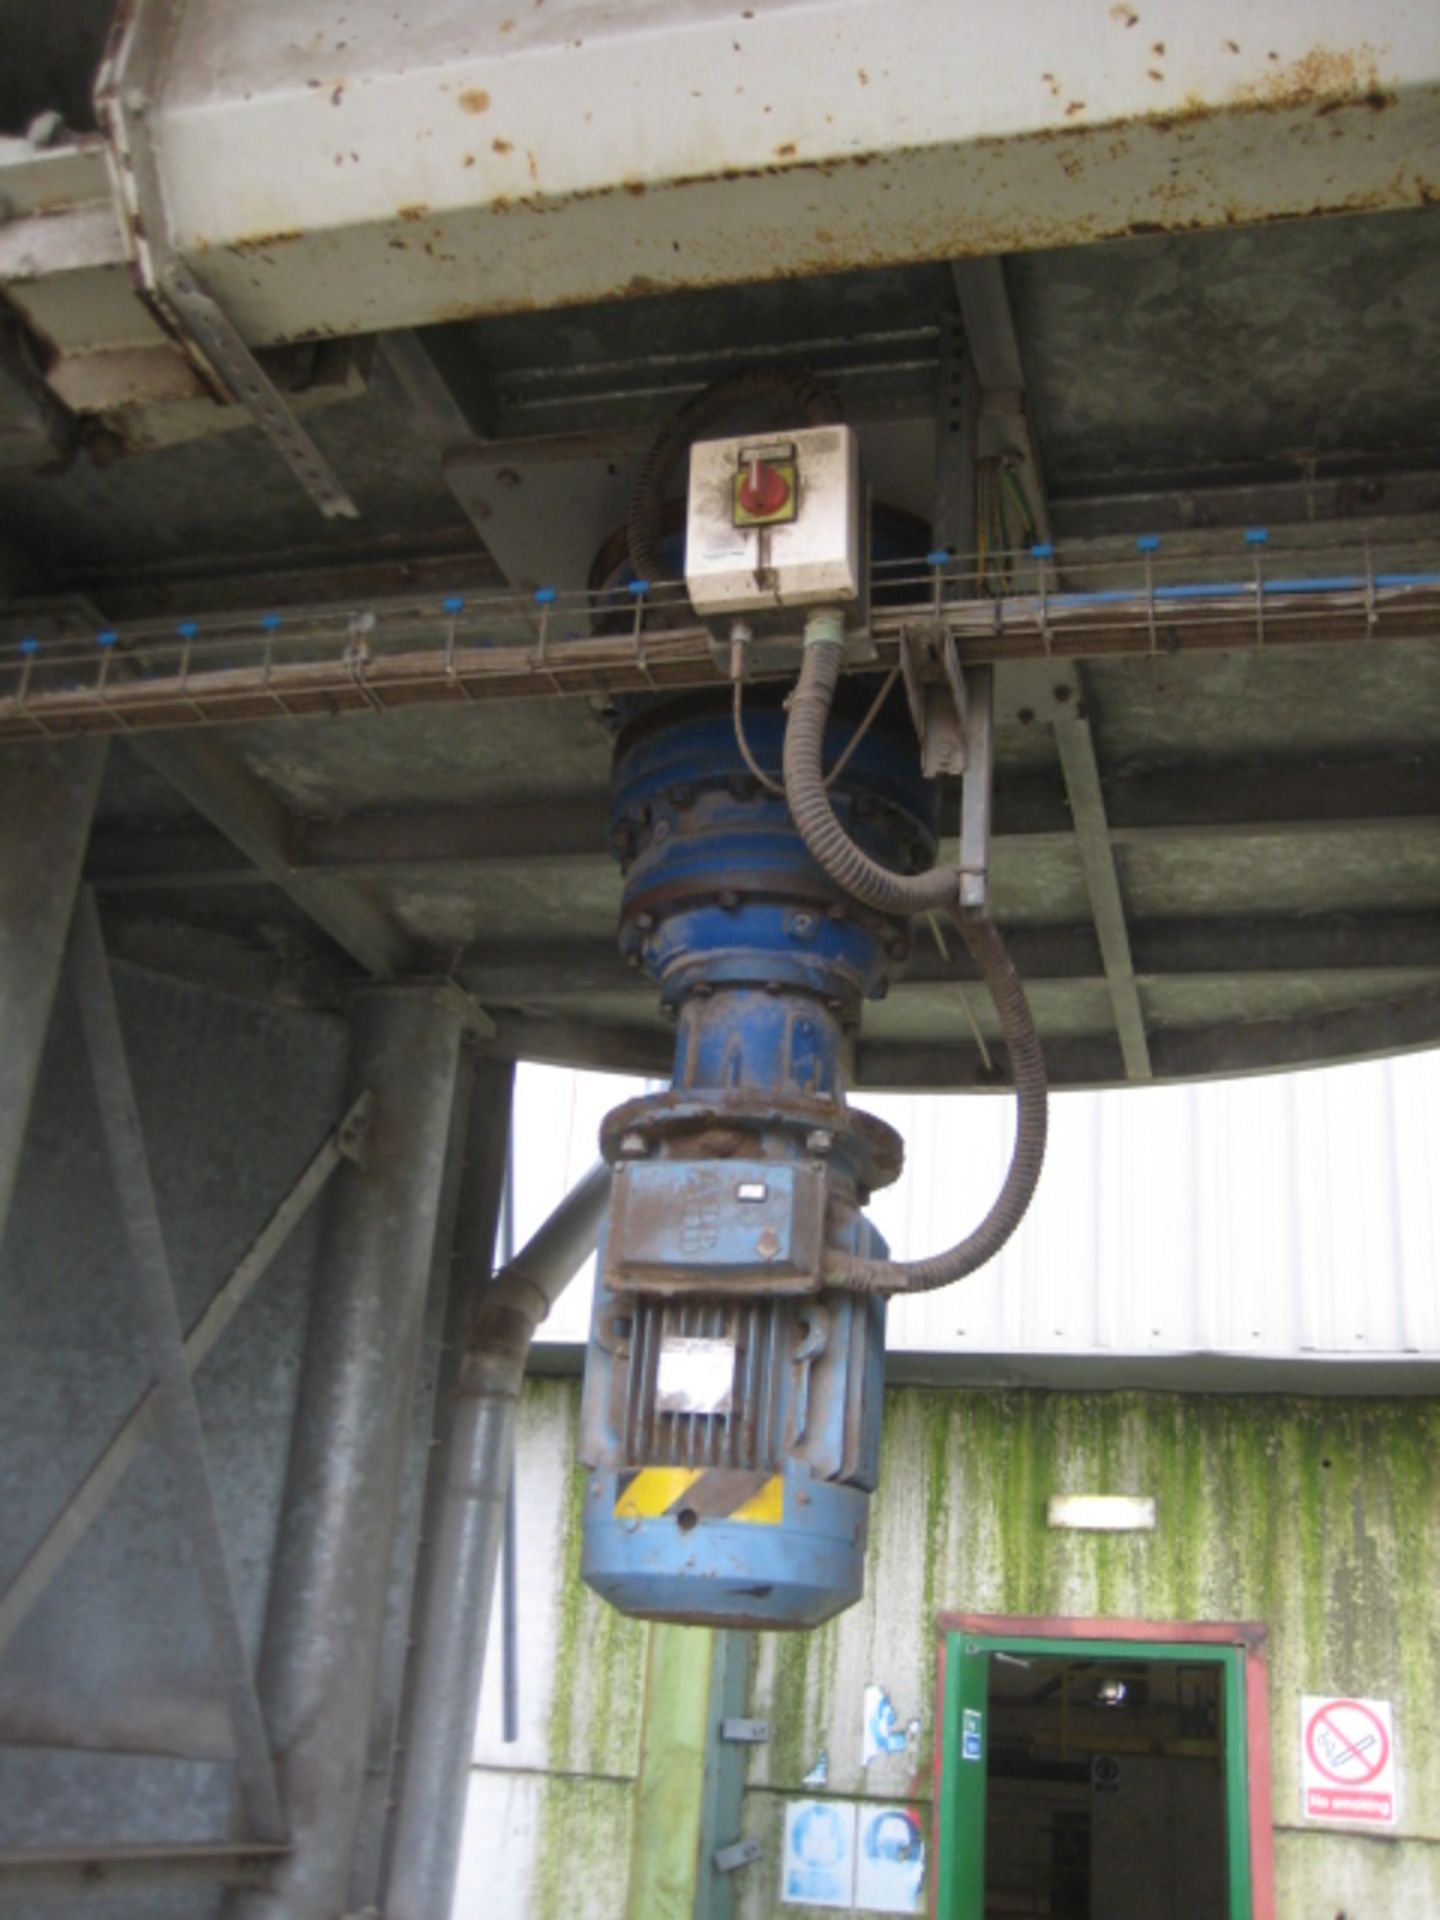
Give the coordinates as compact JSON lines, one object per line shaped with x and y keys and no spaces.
{"x":731,"y":1418}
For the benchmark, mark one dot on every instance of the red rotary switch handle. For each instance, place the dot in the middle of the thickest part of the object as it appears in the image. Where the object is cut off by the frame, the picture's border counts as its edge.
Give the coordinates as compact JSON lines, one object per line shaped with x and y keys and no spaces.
{"x":764,"y":490}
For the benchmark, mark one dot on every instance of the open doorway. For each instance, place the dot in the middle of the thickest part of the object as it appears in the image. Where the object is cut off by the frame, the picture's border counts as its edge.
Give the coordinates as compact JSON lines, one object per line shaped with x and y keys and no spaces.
{"x":1084,"y":1775}
{"x":1106,"y":1789}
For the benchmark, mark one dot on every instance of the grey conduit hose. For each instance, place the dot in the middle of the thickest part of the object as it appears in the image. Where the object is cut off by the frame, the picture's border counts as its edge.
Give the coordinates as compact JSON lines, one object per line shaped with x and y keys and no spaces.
{"x":938,"y":890}
{"x":864,"y":879}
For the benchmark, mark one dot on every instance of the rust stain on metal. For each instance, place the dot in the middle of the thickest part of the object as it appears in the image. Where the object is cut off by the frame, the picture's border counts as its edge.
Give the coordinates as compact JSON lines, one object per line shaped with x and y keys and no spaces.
{"x":474,"y":100}
{"x":260,"y":242}
{"x":1323,"y":82}
{"x":1325,"y":77}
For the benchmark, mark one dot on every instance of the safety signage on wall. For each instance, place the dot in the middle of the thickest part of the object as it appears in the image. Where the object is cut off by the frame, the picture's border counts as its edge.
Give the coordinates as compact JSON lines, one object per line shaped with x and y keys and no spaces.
{"x":1347,"y":1760}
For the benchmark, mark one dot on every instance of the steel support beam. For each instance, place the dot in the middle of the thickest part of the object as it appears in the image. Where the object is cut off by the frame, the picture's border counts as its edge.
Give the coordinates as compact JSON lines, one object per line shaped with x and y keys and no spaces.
{"x":88,"y":1500}
{"x":225,"y":791}
{"x":1161,"y":949}
{"x":486,"y":1122}
{"x":47,"y":801}
{"x":28,"y":1879}
{"x":177,"y":1411}
{"x":452,"y":1629}
{"x":726,"y":1766}
{"x":326,"y":1615}
{"x":353,"y":190}
{"x":1215,"y":801}
{"x":994,"y":349}
{"x":1097,"y":859}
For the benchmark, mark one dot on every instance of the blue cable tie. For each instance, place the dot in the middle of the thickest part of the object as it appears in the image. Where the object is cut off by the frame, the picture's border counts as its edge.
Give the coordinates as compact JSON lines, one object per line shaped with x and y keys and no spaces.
{"x":1042,"y":550}
{"x":639,"y":588}
{"x":107,"y":638}
{"x":29,"y":644}
{"x":187,"y":629}
{"x":545,"y":596}
{"x":270,"y":621}
{"x":453,"y":603}
{"x":1256,"y":536}
{"x":939,"y":558}
{"x":1148,"y":543}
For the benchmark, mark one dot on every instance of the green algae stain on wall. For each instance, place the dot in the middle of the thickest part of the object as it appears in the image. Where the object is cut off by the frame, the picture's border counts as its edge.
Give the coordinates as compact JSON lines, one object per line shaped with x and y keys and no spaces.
{"x":597,"y":1695}
{"x":599,"y":1655}
{"x":1318,"y":1519}
{"x":582,"y":1862}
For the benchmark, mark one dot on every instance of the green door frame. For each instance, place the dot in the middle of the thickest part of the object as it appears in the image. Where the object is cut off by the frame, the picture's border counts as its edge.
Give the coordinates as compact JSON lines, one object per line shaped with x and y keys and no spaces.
{"x":967,"y":1642}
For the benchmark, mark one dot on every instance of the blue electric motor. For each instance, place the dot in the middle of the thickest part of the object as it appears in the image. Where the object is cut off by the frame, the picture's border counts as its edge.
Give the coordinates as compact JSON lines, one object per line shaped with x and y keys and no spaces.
{"x":732,"y":1401}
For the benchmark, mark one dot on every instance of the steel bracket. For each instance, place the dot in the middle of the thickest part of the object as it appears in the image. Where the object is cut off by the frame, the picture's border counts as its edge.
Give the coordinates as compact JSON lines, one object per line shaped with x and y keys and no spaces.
{"x":750,"y":1732}
{"x":977,"y":792}
{"x":740,"y":1853}
{"x":938,"y":695}
{"x":124,"y":96}
{"x":952,"y":708}
{"x":351,"y":1134}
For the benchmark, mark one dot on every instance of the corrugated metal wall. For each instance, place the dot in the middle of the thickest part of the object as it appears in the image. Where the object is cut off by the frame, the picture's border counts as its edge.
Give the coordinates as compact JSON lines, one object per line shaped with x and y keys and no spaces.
{"x":1284,"y":1215}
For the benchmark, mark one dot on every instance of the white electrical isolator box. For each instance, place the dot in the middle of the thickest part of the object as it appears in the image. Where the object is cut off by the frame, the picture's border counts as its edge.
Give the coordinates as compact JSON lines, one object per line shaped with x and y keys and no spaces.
{"x":775,"y":521}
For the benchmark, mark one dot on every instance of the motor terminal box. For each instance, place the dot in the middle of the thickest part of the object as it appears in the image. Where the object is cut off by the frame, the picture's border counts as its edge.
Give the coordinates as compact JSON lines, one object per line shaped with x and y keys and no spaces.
{"x":695,"y":1226}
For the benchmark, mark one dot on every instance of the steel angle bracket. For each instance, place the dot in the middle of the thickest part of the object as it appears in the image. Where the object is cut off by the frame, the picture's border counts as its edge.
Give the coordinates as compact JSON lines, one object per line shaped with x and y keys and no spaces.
{"x":126,"y":91}
{"x":977,"y":792}
{"x":936,"y":689}
{"x":953,"y":710}
{"x":740,"y":1853}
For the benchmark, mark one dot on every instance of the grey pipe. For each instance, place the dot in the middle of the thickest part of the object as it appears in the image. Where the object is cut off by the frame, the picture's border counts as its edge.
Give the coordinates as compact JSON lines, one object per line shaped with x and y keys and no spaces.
{"x":450,"y":1636}
{"x":47,"y":801}
{"x":326,"y":1617}
{"x":509,"y":1546}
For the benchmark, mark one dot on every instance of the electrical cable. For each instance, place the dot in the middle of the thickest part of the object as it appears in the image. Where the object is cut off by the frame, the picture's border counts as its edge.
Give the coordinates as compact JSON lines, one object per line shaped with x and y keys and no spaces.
{"x":872,"y":714}
{"x":852,"y":869}
{"x":758,"y":772}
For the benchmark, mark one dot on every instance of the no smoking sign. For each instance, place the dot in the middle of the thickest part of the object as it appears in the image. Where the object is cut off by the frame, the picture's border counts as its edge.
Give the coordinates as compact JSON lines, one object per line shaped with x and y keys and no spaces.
{"x":1347,"y":1760}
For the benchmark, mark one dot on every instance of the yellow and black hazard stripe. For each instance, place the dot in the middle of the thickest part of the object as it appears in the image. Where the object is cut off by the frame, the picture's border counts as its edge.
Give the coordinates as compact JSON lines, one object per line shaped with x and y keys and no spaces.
{"x":710,"y":1493}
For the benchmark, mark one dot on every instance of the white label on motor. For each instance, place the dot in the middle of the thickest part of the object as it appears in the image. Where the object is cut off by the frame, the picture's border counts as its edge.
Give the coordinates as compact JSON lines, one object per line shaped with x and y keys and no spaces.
{"x":696,"y":1375}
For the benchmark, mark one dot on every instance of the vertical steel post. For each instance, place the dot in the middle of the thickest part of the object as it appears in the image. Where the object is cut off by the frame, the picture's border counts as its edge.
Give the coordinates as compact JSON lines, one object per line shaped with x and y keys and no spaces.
{"x":326,"y":1616}
{"x":957,"y":433}
{"x":485,"y":1122}
{"x":47,"y":801}
{"x":726,"y":1766}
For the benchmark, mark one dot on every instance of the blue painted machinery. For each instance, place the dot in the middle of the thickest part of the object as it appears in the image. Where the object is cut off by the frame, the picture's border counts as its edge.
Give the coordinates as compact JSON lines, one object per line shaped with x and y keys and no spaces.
{"x":731,"y":1416}
{"x":732,"y":1398}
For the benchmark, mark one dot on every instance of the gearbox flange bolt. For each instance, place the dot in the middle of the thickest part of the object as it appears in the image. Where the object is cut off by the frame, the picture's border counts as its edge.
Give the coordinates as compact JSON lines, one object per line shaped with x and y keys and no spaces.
{"x":632,"y":1146}
{"x":819,"y":1141}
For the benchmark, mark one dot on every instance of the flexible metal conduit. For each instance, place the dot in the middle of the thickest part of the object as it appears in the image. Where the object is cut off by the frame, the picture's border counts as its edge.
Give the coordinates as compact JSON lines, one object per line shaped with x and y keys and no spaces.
{"x":898,"y":893}
{"x":450,"y":1636}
